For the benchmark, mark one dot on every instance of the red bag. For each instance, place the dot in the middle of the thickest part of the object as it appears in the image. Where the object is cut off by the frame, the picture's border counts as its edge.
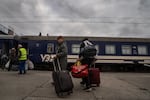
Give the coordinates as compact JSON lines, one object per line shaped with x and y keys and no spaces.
{"x":79,"y":71}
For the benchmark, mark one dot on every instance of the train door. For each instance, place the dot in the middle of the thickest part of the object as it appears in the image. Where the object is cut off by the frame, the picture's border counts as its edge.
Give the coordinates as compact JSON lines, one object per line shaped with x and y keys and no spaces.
{"x":134,"y":50}
{"x":15,"y":44}
{"x":5,"y":47}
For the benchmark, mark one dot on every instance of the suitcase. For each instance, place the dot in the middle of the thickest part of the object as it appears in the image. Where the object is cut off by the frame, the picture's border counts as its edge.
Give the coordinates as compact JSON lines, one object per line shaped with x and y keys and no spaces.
{"x":95,"y":76}
{"x":62,"y":80}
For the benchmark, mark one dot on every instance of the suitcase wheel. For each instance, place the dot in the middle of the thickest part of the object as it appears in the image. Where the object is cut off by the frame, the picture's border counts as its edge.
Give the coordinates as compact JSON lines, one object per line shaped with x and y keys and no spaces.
{"x":59,"y":94}
{"x":69,"y":93}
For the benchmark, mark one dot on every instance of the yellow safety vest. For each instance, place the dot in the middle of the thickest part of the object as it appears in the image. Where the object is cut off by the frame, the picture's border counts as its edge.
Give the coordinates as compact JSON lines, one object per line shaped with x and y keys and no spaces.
{"x":23,"y":55}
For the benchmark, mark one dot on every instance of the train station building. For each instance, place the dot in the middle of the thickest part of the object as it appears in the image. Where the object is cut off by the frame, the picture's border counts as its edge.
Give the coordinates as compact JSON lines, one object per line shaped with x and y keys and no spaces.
{"x":6,"y":31}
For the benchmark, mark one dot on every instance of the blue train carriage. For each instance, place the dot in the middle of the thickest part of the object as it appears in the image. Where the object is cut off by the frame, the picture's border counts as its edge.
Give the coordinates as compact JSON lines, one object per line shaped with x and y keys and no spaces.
{"x":124,"y":54}
{"x":41,"y":49}
{"x":111,"y":51}
{"x":115,"y":53}
{"x":6,"y":43}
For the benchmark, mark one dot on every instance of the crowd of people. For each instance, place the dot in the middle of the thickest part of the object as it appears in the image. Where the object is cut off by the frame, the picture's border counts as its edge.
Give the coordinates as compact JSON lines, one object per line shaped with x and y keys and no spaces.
{"x":15,"y":58}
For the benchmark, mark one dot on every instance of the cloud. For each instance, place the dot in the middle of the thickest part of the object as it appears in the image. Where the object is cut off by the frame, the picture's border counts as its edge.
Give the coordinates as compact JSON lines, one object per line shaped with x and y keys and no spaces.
{"x":125,"y":18}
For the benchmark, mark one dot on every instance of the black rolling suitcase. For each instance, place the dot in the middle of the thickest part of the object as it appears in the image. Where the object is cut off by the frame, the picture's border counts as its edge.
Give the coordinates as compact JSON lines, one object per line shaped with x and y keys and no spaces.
{"x":62,"y":80}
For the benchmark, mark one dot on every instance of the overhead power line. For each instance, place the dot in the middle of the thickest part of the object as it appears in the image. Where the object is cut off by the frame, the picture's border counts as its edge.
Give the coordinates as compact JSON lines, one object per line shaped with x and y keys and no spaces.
{"x":73,"y":21}
{"x":72,"y":17}
{"x":68,"y":19}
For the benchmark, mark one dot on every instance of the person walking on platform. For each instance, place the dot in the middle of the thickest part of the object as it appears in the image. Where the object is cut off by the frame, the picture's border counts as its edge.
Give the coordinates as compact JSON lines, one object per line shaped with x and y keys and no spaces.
{"x":22,"y":57}
{"x":87,"y":56}
{"x":61,"y":52}
{"x":12,"y":58}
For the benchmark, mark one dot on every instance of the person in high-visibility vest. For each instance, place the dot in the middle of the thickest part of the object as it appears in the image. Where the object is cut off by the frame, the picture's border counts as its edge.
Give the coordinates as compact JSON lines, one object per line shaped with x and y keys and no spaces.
{"x":22,"y":57}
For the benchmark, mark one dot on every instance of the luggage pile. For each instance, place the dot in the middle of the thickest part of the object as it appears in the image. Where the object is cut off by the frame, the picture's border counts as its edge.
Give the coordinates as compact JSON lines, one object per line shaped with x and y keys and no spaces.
{"x":63,"y":81}
{"x":80,"y":71}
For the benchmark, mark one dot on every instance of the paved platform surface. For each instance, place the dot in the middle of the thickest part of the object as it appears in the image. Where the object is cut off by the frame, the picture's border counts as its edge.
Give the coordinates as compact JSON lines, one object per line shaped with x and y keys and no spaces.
{"x":36,"y":85}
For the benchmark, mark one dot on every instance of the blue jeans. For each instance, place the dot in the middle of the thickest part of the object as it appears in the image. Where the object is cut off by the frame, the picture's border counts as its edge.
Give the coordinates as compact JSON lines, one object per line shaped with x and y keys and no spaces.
{"x":22,"y":66}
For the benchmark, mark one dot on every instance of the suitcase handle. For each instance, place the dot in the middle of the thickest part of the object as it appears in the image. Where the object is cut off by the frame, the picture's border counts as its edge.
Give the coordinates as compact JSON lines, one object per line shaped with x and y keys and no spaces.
{"x":58,"y":63}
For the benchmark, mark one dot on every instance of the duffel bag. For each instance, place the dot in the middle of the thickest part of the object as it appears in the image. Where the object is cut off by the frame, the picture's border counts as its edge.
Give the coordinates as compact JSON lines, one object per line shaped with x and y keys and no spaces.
{"x":79,"y":71}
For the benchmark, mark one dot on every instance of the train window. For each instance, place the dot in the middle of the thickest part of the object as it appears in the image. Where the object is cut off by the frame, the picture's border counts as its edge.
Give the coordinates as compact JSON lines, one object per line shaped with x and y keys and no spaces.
{"x":142,"y":50}
{"x":126,"y":50}
{"x":50,"y":48}
{"x":110,"y":49}
{"x":75,"y":48}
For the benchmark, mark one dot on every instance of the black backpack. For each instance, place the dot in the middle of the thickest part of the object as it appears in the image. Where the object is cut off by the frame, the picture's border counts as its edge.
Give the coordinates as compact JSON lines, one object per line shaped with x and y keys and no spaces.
{"x":89,"y":50}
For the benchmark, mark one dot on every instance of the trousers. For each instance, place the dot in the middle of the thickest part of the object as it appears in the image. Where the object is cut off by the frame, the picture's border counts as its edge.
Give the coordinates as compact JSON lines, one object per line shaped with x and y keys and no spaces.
{"x":22,"y":67}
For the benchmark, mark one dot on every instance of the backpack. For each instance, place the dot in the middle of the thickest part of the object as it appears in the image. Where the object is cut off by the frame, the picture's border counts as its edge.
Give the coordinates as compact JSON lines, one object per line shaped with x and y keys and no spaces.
{"x":89,"y":50}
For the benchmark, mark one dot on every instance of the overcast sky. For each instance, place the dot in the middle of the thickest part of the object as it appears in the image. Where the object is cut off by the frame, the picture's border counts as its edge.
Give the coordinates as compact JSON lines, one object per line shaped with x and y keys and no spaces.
{"x":112,"y":18}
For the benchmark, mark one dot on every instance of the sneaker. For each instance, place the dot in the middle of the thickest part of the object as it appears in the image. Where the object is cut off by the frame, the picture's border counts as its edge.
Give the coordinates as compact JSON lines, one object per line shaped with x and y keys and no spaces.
{"x":24,"y":72}
{"x":88,"y":89}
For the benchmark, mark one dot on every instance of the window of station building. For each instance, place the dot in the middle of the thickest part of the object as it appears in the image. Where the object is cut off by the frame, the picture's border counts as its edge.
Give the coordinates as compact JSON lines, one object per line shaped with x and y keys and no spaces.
{"x":126,"y":50}
{"x":110,"y":49}
{"x":142,"y":50}
{"x":50,"y":48}
{"x":75,"y":48}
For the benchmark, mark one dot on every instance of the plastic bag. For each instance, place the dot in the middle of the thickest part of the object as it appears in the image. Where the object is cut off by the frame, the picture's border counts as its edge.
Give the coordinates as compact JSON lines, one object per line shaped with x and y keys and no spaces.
{"x":7,"y":64}
{"x":26,"y":65}
{"x":31,"y":65}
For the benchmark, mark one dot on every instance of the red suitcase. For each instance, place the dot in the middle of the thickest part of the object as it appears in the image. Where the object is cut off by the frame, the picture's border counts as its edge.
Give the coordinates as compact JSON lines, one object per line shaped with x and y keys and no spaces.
{"x":95,"y":76}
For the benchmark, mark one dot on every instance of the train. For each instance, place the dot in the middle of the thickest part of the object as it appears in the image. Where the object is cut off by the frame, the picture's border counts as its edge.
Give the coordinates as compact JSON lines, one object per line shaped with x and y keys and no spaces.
{"x":112,"y":52}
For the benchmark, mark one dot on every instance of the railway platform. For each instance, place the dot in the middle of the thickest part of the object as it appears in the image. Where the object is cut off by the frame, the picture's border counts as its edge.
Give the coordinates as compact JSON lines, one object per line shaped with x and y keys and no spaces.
{"x":36,"y":85}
